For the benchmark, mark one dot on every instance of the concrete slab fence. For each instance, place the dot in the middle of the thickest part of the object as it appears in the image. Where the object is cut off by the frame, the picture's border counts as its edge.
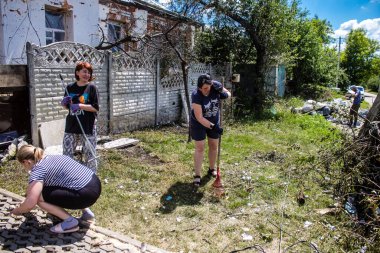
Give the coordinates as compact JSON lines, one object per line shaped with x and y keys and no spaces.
{"x":133,"y":93}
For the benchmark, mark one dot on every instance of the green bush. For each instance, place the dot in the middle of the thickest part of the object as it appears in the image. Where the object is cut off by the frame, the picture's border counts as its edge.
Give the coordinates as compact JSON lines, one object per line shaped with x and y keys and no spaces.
{"x":373,"y":83}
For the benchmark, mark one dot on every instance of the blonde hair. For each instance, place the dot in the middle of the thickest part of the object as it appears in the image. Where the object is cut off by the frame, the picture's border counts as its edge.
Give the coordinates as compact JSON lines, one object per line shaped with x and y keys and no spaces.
{"x":29,"y":152}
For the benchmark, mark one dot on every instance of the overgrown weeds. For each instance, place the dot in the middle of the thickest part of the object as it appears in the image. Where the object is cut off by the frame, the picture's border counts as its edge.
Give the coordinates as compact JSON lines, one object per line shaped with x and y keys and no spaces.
{"x":148,"y":194}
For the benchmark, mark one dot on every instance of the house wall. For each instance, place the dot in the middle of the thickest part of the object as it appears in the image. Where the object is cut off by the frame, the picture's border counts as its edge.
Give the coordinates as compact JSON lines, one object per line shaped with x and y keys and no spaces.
{"x":24,"y":21}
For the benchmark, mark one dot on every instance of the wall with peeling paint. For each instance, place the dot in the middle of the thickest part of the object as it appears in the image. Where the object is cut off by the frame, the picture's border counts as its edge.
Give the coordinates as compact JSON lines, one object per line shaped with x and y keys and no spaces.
{"x":24,"y":21}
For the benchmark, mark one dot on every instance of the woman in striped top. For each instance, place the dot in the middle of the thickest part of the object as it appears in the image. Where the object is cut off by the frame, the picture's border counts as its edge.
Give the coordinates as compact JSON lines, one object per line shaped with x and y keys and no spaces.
{"x":57,"y":182}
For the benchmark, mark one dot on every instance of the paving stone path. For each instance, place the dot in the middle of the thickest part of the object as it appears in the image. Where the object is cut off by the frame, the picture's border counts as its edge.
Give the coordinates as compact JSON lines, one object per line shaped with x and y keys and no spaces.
{"x":30,"y":233}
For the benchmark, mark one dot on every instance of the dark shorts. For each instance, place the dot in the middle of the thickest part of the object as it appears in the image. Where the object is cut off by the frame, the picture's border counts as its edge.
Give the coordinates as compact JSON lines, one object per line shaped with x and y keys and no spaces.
{"x":199,"y":132}
{"x":354,"y":109}
{"x":73,"y":199}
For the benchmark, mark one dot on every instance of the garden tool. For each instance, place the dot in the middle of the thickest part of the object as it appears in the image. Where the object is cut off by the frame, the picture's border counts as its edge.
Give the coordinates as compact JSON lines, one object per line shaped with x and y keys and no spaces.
{"x":217,"y":184}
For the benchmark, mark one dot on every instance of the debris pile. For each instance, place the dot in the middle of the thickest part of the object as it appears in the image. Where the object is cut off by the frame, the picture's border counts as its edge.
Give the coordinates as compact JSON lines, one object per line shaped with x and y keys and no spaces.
{"x":336,"y":111}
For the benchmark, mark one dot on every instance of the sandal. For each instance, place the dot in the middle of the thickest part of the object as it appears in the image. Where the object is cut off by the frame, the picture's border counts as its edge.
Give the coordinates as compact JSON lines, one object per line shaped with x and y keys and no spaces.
{"x":197,"y":181}
{"x":211,"y":172}
{"x":59,"y":230}
{"x":87,"y":218}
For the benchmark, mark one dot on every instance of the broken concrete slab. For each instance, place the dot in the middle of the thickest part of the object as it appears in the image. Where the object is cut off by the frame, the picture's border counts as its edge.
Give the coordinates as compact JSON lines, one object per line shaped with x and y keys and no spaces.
{"x":120,"y":143}
{"x":51,"y":133}
{"x":54,"y":150}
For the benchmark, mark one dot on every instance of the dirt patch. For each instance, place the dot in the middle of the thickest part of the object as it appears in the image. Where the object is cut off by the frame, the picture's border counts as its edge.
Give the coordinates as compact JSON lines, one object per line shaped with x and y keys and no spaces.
{"x":138,"y":153}
{"x":272,"y":156}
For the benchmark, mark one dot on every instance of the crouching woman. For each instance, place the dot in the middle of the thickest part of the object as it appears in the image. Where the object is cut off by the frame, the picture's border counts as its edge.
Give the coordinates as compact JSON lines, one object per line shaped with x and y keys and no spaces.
{"x":57,"y":182}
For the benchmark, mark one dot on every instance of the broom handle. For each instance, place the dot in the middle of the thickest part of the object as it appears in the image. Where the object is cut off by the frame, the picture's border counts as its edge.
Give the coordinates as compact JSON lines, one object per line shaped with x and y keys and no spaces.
{"x":220,"y":124}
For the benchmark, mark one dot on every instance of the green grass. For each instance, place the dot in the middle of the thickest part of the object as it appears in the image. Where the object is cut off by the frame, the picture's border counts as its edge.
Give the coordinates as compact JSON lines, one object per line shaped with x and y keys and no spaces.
{"x":148,"y":195}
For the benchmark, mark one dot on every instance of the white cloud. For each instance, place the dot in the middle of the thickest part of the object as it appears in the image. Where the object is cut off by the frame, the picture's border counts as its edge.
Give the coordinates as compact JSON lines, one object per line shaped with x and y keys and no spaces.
{"x":372,"y":26}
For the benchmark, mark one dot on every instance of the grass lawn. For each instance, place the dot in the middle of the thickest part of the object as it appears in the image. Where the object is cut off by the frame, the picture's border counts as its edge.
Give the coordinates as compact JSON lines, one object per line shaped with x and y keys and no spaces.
{"x":148,"y":194}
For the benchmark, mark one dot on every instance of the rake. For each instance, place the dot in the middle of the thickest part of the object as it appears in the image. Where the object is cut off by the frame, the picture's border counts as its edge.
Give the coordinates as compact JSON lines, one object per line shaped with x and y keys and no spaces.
{"x":217,"y":184}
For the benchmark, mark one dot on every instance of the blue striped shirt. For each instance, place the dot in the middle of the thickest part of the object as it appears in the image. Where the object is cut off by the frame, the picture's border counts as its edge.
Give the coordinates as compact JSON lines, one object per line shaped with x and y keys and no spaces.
{"x":62,"y":171}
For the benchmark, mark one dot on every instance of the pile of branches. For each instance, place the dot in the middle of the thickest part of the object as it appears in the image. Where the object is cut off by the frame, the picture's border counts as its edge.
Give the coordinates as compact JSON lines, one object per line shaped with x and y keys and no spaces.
{"x":354,"y":165}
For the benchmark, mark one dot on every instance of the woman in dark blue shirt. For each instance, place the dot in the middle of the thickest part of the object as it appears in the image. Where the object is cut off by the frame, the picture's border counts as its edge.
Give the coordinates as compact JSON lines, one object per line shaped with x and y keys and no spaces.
{"x":205,"y":105}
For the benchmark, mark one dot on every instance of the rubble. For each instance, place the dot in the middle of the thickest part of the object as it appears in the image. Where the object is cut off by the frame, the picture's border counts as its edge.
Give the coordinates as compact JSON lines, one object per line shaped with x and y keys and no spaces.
{"x":11,"y":151}
{"x":336,"y":111}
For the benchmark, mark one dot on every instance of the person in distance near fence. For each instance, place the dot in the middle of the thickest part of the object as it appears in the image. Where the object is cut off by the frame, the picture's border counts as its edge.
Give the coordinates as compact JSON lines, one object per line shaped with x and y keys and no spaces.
{"x":354,"y":110}
{"x":204,"y":121}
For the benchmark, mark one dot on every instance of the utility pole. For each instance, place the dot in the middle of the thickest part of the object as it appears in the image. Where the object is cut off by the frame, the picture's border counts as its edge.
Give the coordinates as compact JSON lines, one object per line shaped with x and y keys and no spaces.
{"x":337,"y":74}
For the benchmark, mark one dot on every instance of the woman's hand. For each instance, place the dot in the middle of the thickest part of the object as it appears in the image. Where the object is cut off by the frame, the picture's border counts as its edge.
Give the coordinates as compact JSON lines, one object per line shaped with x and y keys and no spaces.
{"x":15,"y":211}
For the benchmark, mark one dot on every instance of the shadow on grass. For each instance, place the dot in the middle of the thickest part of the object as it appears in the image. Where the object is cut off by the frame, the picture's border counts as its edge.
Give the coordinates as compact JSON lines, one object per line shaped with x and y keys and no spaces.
{"x":180,"y":194}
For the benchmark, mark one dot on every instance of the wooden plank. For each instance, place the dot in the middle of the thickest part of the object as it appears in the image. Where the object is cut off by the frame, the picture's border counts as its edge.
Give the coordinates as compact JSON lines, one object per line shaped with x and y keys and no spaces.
{"x":120,"y":143}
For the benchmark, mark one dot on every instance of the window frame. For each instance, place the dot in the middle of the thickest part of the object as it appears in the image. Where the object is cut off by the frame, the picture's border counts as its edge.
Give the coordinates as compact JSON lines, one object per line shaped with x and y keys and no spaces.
{"x":54,"y":31}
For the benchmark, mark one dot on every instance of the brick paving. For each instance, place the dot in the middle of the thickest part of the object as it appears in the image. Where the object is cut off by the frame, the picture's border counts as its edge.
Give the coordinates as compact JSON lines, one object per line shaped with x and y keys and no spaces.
{"x":30,"y":233}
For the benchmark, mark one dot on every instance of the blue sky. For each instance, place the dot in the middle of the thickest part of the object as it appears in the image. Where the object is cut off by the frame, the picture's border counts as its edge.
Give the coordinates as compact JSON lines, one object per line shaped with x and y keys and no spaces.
{"x":345,"y":15}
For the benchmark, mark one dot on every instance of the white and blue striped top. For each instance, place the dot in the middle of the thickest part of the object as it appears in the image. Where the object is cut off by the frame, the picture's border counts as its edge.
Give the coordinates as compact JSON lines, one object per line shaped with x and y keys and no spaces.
{"x":62,"y":171}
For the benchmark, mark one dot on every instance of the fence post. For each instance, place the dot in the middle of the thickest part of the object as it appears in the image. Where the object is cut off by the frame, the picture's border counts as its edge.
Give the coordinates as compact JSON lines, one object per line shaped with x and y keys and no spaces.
{"x":110,"y":117}
{"x":158,"y":84}
{"x":32,"y":95}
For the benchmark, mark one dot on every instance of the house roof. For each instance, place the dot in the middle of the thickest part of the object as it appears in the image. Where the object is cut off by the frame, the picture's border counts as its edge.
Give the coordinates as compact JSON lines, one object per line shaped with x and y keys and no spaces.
{"x":153,"y":6}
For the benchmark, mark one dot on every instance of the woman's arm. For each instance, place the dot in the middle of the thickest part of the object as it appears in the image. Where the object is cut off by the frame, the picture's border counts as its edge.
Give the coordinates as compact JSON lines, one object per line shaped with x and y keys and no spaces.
{"x":199,"y":116}
{"x":227,"y":92}
{"x":32,"y":195}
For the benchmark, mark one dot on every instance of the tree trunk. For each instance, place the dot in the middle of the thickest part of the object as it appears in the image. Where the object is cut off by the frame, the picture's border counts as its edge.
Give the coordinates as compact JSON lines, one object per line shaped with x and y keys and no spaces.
{"x":259,"y":98}
{"x":373,"y":115}
{"x":185,"y":75}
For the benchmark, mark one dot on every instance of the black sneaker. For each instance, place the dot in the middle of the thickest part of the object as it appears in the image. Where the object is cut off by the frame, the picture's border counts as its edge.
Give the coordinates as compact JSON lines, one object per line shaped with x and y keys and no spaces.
{"x":211,"y":172}
{"x":197,"y":181}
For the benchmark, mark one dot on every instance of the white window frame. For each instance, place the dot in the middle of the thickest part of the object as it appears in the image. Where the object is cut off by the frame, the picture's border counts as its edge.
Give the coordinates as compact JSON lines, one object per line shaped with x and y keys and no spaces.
{"x":54,"y":31}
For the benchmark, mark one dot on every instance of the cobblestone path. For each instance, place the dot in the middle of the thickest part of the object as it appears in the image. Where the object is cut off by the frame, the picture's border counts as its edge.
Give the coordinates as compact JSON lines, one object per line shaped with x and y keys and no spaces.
{"x":30,"y":233}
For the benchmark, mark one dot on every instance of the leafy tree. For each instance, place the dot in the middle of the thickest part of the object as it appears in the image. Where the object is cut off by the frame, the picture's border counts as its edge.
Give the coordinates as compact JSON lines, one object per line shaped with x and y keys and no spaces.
{"x":266,"y":23}
{"x":224,"y":41}
{"x":358,"y":56}
{"x":315,"y":63}
{"x":375,"y":66}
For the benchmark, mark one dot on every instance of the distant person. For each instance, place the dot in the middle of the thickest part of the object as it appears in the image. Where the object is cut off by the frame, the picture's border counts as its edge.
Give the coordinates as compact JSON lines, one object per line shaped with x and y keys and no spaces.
{"x":205,"y":110}
{"x":57,"y":182}
{"x":355,"y":106}
{"x":82,"y":100}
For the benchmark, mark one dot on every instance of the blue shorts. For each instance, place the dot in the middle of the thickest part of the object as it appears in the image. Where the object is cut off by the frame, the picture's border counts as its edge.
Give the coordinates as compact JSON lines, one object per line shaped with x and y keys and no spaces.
{"x":199,"y":132}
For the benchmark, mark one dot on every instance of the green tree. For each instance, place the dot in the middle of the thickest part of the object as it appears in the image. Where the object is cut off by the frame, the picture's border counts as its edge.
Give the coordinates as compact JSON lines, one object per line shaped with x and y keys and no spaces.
{"x":315,"y":63}
{"x":224,"y":41}
{"x":266,"y":23}
{"x":358,"y":56}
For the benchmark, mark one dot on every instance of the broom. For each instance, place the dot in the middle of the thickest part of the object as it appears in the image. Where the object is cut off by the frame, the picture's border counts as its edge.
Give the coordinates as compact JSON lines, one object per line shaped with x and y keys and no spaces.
{"x":218,"y":186}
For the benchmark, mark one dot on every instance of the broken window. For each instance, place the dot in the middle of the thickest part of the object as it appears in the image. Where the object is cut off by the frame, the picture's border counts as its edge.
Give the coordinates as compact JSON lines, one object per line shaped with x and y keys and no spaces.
{"x":55,"y":30}
{"x":114,"y":34}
